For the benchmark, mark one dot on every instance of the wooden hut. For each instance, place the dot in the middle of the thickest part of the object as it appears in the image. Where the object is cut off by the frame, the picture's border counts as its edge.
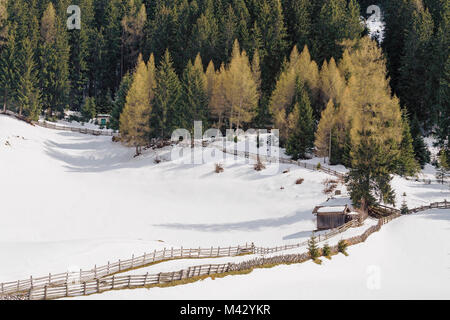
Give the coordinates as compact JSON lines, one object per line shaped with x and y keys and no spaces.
{"x":330,"y":217}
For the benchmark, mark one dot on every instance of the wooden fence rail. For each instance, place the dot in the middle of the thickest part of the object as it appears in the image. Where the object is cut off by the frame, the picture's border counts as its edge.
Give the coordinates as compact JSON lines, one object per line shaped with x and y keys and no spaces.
{"x":135,"y":281}
{"x":48,"y":125}
{"x":25,"y":285}
{"x":122,"y":266}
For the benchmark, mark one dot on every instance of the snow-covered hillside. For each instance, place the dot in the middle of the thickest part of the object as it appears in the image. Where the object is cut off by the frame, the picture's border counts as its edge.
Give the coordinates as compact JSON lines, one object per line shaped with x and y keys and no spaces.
{"x":69,"y":201}
{"x":408,"y":259}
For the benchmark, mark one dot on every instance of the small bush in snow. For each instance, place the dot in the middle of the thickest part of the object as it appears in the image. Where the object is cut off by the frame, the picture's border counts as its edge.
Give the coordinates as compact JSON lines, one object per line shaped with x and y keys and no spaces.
{"x":219,"y":168}
{"x":259,"y":166}
{"x":313,"y":250}
{"x":326,"y":251}
{"x":342,"y":247}
{"x":299,"y":181}
{"x":157,"y":160}
{"x":319,"y":166}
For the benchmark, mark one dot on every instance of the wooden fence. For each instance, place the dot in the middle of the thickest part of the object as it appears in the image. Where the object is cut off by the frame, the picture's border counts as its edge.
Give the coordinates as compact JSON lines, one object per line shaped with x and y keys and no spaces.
{"x":23,"y":286}
{"x":135,"y":281}
{"x":48,"y":125}
{"x":122,"y":266}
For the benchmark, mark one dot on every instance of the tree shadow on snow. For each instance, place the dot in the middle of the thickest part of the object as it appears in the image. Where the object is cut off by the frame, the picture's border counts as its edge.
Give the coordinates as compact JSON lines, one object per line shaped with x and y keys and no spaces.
{"x":253,"y":225}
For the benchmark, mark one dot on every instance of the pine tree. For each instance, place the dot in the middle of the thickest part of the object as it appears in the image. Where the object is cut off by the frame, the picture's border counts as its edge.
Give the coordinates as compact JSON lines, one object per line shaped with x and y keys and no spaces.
{"x":270,"y":22}
{"x":120,"y":100}
{"x":89,"y":109}
{"x":325,"y":131}
{"x":3,"y":22}
{"x":376,"y":121}
{"x":298,"y":21}
{"x":404,"y":208}
{"x":300,"y":66}
{"x":166,"y":115}
{"x":135,"y":118}
{"x":54,"y":57}
{"x":415,"y":75}
{"x":195,"y":94}
{"x":332,"y":84}
{"x":240,"y":89}
{"x":28,"y":92}
{"x":406,"y":163}
{"x":443,"y":170}
{"x":337,"y":21}
{"x":9,"y":69}
{"x":133,"y":33}
{"x":313,"y":249}
{"x":301,"y":140}
{"x":421,"y":152}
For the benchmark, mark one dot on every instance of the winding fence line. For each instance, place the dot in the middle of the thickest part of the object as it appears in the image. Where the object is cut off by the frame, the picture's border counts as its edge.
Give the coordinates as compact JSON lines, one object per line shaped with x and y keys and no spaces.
{"x":48,"y":125}
{"x":22,"y":287}
{"x":122,"y":266}
{"x":171,"y":278}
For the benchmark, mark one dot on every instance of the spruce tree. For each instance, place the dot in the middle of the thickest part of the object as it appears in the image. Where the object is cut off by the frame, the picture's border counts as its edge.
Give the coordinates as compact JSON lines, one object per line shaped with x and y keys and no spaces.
{"x":406,"y":163}
{"x":270,"y":22}
{"x":28,"y":92}
{"x":325,"y":131}
{"x":421,"y":152}
{"x":166,"y":110}
{"x":120,"y":100}
{"x":376,"y":121}
{"x":415,"y":75}
{"x":54,"y":58}
{"x":89,"y":109}
{"x":301,"y":140}
{"x":195,"y":94}
{"x":9,"y":68}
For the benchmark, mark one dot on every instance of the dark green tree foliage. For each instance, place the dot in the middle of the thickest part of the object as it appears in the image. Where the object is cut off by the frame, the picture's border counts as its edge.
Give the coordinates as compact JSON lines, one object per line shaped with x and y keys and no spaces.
{"x":406,"y":163}
{"x":9,"y":68}
{"x":299,"y":21}
{"x":119,"y":102}
{"x":270,"y":22}
{"x":301,"y":141}
{"x":415,"y":76}
{"x":29,"y":95}
{"x":370,"y":175}
{"x":89,"y":110}
{"x":54,"y":62}
{"x":421,"y":152}
{"x":194,"y":100}
{"x":166,"y":115}
{"x":338,"y":20}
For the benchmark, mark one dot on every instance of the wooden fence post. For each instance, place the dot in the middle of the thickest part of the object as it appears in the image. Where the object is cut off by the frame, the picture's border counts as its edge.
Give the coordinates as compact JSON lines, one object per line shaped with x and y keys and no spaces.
{"x":45,"y":292}
{"x":112,"y":282}
{"x":132,"y":261}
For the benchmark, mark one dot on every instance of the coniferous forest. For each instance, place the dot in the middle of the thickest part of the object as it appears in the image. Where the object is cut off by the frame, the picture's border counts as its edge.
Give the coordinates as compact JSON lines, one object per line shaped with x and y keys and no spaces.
{"x":307,"y":68}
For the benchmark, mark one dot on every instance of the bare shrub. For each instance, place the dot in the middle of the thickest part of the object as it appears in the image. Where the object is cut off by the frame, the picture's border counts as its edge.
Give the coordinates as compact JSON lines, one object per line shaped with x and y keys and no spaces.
{"x":330,"y":186}
{"x":299,"y":181}
{"x":219,"y":168}
{"x":259,"y":166}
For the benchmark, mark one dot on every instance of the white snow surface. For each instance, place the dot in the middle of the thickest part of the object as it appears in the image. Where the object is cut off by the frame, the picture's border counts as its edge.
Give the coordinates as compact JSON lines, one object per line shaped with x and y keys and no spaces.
{"x":70,"y":201}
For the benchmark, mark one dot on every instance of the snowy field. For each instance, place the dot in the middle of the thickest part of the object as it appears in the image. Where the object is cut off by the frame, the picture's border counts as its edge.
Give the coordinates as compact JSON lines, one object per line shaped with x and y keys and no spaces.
{"x":69,"y":201}
{"x":408,"y":259}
